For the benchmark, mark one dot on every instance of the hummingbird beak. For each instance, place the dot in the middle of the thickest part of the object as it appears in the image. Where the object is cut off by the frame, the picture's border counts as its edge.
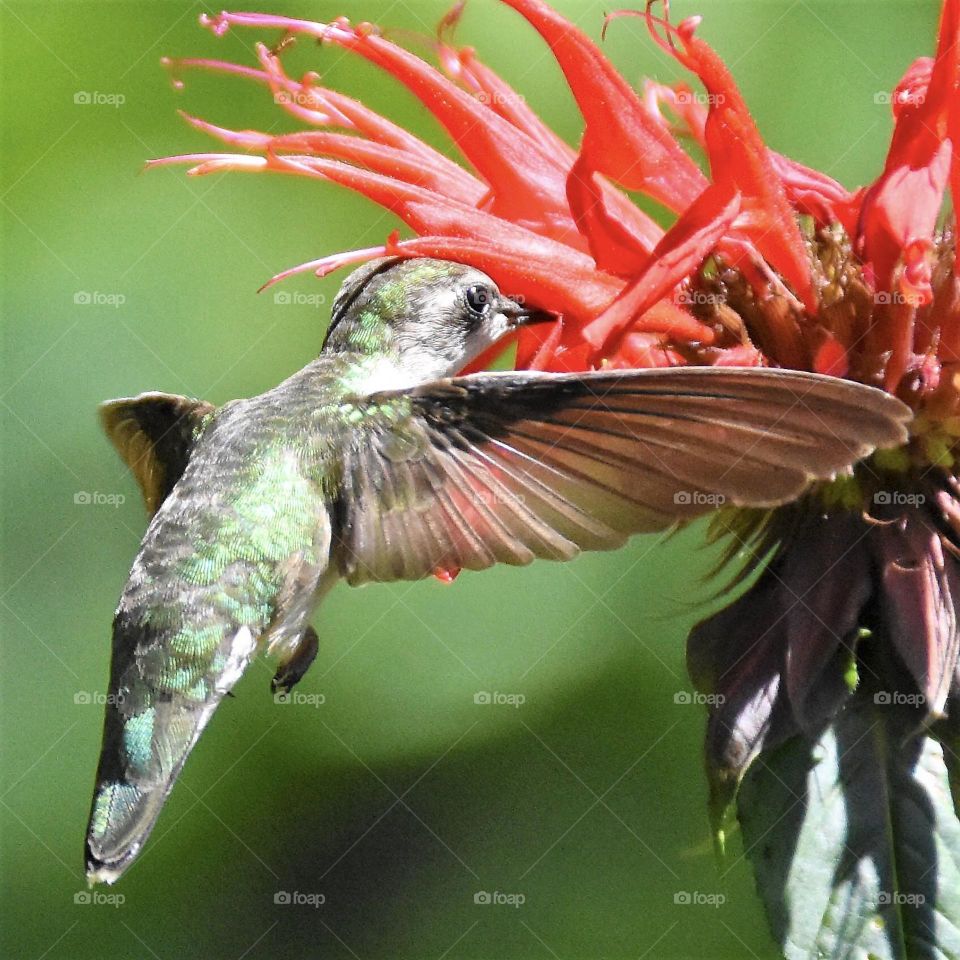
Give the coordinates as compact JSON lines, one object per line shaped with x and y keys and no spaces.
{"x":521,"y":316}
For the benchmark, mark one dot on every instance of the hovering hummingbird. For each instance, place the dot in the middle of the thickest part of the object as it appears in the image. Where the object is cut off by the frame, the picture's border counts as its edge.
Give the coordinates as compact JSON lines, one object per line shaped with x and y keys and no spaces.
{"x":375,"y":462}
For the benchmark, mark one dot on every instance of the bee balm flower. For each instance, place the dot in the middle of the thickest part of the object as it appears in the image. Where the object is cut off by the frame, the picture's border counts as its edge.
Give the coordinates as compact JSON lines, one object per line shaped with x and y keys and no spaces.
{"x":767,"y":262}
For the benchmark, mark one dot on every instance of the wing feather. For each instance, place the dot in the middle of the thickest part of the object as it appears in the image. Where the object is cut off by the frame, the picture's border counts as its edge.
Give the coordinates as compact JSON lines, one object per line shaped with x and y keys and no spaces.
{"x":505,"y":468}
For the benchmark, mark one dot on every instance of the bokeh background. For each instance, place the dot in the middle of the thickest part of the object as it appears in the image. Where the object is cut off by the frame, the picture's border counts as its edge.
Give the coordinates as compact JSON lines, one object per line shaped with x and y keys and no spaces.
{"x":387,"y":792}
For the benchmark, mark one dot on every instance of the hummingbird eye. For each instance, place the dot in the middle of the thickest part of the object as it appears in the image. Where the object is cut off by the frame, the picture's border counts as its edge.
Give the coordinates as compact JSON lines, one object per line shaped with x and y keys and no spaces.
{"x":478,"y":299}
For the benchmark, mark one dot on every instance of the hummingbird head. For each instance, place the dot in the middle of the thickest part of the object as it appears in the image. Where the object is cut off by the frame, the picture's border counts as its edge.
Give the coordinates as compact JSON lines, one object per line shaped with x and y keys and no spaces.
{"x":428,"y":317}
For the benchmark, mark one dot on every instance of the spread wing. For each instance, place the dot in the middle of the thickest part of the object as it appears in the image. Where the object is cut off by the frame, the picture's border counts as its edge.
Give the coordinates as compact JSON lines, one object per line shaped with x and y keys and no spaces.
{"x":508,"y":467}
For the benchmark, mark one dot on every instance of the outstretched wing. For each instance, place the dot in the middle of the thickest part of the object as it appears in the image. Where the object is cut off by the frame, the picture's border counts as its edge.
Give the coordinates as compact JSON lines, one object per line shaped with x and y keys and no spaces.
{"x":472,"y":471}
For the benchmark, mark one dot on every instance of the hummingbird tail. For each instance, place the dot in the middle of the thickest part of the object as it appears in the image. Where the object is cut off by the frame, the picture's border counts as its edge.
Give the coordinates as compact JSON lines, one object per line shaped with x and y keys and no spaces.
{"x":157,"y":711}
{"x":123,"y":816}
{"x":141,"y":759}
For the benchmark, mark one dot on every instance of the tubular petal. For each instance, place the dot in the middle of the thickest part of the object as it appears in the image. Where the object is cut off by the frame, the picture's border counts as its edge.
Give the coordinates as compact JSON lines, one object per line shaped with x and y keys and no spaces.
{"x":621,"y":140}
{"x":739,"y":157}
{"x":900,"y":209}
{"x":683,"y":248}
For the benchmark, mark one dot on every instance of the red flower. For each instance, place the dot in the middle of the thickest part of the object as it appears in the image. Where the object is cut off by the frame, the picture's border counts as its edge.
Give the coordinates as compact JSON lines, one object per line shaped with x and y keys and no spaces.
{"x":767,"y":262}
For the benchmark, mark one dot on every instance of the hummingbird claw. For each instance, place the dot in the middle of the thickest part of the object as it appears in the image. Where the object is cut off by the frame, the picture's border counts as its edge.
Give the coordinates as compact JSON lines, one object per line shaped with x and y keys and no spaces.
{"x":291,"y":672}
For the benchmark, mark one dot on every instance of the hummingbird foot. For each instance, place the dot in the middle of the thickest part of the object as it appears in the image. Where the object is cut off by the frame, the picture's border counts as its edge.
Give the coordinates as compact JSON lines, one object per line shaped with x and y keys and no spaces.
{"x":290,"y":672}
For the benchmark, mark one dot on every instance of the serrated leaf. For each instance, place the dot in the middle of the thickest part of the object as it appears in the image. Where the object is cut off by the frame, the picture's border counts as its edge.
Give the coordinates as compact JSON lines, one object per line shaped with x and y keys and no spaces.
{"x":855,"y":842}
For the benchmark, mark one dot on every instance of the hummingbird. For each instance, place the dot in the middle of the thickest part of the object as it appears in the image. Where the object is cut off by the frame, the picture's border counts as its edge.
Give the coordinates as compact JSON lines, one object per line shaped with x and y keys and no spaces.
{"x":376,"y":462}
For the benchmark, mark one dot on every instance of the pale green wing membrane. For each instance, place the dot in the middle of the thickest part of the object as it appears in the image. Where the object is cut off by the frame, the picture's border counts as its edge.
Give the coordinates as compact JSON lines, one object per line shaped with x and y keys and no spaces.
{"x":472,"y":471}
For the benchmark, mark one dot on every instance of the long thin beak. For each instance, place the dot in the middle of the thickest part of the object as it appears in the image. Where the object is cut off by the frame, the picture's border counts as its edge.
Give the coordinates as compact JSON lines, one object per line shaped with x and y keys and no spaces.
{"x":521,"y":316}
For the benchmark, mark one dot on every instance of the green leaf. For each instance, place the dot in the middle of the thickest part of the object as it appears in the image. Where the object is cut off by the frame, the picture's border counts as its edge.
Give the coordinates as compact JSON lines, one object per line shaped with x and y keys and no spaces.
{"x":855,"y":842}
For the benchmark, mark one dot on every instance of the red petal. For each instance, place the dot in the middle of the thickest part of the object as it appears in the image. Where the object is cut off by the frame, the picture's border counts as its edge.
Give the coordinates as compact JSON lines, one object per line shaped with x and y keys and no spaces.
{"x":573,"y":287}
{"x":380,"y":158}
{"x":643,"y":350}
{"x":527,"y":183}
{"x":902,"y":206}
{"x":739,"y":158}
{"x":681,"y":251}
{"x":425,"y":210}
{"x":538,"y":344}
{"x":816,"y":194}
{"x":571,"y":359}
{"x":614,"y":245}
{"x":683,"y":103}
{"x":462,"y":64}
{"x":831,"y":358}
{"x":621,"y":140}
{"x":320,"y":106}
{"x":740,"y":356}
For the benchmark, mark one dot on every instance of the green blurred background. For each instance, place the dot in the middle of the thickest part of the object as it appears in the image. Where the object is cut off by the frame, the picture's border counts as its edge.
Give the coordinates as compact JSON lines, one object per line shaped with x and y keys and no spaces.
{"x":397,"y":799}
